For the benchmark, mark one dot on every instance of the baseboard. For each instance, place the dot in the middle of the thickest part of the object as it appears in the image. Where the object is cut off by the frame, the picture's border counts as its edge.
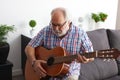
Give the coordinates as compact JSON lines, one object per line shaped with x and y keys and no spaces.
{"x":16,"y":72}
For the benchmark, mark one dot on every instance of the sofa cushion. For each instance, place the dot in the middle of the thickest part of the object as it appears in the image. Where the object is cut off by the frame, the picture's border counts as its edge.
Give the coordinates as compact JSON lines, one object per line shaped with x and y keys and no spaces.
{"x":89,"y":71}
{"x":106,"y":68}
{"x":98,"y":70}
{"x":99,"y":39}
{"x":114,"y":38}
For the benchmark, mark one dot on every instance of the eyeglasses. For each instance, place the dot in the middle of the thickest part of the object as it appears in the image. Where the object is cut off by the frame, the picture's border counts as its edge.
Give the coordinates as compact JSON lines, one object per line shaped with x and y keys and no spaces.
{"x":60,"y":25}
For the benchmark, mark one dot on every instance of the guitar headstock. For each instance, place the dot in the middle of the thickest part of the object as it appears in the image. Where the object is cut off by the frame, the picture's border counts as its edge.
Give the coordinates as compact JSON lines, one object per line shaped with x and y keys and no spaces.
{"x":108,"y":53}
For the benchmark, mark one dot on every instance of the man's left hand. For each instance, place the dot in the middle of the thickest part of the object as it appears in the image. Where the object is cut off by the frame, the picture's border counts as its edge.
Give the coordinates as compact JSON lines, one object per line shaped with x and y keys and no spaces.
{"x":83,"y":59}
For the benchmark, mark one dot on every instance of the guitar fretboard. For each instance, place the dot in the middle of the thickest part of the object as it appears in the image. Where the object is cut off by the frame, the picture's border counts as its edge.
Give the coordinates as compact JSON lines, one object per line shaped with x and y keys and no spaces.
{"x":71,"y":58}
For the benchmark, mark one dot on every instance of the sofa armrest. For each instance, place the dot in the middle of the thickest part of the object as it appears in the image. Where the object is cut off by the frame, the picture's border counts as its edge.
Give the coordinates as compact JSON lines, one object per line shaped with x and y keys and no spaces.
{"x":118,"y":64}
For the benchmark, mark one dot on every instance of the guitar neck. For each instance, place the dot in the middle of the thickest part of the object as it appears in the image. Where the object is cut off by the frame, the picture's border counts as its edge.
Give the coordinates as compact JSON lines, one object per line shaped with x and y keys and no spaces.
{"x":108,"y":54}
{"x":66,"y":59}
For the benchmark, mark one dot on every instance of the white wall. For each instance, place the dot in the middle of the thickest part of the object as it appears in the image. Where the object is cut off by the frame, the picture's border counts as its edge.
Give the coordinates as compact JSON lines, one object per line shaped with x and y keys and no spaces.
{"x":19,"y":12}
{"x":118,"y":16}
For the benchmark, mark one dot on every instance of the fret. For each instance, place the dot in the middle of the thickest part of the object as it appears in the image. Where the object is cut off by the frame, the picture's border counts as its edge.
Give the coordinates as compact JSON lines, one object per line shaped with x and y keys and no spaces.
{"x":96,"y":54}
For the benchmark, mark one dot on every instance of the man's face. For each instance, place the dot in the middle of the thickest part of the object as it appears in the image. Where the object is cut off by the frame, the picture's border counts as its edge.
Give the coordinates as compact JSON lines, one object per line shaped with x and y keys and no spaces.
{"x":59,"y":24}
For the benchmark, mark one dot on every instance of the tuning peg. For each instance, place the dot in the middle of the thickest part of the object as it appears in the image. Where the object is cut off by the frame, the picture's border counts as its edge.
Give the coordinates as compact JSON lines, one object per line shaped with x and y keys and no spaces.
{"x":113,"y":59}
{"x":107,"y":55}
{"x":104,"y":59}
{"x":111,"y":56}
{"x":108,"y":60}
{"x":112,"y":48}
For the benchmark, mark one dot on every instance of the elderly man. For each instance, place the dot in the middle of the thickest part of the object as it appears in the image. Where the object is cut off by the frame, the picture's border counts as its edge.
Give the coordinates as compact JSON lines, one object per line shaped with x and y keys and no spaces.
{"x":60,"y":32}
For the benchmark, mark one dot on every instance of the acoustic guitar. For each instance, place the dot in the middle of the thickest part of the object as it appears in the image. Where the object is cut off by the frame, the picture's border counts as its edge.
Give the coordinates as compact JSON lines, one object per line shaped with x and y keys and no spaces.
{"x":57,"y":59}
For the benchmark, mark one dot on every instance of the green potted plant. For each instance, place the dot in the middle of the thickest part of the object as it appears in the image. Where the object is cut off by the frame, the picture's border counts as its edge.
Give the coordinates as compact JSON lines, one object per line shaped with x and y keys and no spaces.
{"x":4,"y":45}
{"x":32,"y":24}
{"x":99,"y":17}
{"x":103,"y":16}
{"x":95,"y":17}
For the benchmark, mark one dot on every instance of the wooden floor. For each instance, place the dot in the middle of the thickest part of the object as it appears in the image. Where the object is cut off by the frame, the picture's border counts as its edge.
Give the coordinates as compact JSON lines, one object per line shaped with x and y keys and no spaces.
{"x":20,"y":77}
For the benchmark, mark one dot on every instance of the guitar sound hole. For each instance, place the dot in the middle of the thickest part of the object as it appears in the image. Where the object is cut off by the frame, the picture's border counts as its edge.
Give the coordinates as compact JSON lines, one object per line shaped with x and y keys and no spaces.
{"x":50,"y":61}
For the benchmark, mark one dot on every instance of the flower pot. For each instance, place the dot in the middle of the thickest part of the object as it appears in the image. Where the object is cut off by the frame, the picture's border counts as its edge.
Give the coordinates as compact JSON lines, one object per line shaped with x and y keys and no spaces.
{"x":4,"y":50}
{"x":99,"y":25}
{"x":32,"y":32}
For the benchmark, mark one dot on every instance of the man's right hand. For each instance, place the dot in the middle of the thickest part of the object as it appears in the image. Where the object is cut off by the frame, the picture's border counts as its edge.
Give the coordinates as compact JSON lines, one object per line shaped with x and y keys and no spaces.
{"x":39,"y":69}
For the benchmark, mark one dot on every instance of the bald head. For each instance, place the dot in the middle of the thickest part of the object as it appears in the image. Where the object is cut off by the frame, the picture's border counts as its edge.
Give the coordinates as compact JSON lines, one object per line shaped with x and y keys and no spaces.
{"x":62,"y":10}
{"x":58,"y":14}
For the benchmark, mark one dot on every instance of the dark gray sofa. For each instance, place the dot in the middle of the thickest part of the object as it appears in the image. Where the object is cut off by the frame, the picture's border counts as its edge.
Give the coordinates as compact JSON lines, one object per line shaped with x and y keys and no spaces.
{"x":100,"y":69}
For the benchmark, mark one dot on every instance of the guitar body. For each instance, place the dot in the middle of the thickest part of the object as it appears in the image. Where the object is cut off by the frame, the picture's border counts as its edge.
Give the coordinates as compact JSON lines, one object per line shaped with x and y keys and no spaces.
{"x":29,"y":73}
{"x":52,"y":70}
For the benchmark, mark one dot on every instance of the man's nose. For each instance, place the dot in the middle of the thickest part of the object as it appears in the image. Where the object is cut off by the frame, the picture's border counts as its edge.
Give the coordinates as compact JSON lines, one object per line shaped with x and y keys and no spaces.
{"x":56,"y":27}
